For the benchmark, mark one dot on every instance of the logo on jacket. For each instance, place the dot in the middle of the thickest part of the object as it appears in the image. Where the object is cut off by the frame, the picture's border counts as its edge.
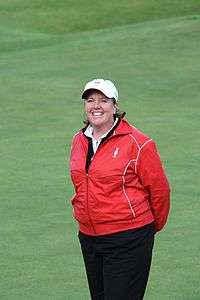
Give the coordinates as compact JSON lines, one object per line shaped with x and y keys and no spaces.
{"x":115,"y":153}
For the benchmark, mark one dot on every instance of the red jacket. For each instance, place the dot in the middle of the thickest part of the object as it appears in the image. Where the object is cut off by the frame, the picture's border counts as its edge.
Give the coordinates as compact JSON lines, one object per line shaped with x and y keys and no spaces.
{"x":125,"y":186}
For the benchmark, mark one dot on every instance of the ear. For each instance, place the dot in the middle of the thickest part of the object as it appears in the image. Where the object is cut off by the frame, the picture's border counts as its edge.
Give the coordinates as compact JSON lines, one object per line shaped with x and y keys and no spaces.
{"x":115,"y":108}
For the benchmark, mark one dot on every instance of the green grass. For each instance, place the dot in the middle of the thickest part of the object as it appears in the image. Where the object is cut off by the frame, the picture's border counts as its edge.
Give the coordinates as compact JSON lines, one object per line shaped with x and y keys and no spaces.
{"x":60,"y":17}
{"x":47,"y":52}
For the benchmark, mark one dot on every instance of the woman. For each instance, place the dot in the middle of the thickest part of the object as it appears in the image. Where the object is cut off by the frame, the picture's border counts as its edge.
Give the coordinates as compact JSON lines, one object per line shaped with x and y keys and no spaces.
{"x":121,"y":199}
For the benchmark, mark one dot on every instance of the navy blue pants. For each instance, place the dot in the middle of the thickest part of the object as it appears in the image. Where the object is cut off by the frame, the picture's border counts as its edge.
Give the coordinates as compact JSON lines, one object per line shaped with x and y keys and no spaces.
{"x":117,"y":265}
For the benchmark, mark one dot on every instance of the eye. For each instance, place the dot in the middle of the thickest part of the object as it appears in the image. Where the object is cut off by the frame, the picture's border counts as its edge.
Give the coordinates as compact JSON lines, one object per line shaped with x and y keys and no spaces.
{"x":104,"y":100}
{"x":89,"y":100}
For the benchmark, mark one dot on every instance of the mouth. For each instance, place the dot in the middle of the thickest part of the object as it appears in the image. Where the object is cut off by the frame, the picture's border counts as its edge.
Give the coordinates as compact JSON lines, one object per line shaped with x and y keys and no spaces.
{"x":97,"y":114}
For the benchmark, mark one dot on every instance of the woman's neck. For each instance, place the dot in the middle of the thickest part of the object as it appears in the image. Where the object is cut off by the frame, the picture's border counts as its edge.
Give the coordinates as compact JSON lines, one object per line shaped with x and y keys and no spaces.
{"x":98,"y":131}
{"x":97,"y":134}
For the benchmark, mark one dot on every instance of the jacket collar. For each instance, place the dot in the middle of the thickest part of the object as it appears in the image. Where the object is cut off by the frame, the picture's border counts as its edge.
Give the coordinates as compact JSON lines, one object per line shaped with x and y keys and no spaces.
{"x":123,"y":128}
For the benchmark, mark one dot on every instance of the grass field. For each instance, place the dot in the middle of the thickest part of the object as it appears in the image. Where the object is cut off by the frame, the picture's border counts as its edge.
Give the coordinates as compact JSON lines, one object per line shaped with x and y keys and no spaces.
{"x":48,"y":49}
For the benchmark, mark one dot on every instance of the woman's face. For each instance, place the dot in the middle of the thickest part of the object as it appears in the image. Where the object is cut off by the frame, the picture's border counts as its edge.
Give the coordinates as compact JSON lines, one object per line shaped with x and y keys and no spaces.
{"x":99,"y":110}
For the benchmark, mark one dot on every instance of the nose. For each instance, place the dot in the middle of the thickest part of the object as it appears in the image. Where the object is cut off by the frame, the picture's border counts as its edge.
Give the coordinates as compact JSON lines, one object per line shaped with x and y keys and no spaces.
{"x":96,"y":104}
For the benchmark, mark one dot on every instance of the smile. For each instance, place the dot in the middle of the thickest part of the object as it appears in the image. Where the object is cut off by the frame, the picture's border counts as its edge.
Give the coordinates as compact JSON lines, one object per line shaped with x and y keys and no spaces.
{"x":97,"y":114}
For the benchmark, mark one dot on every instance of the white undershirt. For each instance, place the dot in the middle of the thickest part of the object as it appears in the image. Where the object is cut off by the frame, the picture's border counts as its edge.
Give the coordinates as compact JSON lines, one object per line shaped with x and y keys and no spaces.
{"x":95,"y":143}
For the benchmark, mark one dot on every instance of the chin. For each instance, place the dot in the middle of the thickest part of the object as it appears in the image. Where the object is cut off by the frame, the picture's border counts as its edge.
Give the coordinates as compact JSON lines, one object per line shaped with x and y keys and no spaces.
{"x":97,"y":122}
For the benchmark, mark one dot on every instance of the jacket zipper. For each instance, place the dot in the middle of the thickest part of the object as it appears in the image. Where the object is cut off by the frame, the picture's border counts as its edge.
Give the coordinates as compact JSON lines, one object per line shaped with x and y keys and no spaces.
{"x":87,"y":175}
{"x":88,"y":210}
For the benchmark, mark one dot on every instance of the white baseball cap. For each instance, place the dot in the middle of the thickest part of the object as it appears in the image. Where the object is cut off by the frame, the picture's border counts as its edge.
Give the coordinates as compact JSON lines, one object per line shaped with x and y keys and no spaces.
{"x":107,"y":87}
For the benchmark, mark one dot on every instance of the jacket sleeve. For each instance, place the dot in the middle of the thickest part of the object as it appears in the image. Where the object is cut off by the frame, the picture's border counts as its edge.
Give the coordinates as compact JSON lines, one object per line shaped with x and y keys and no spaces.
{"x":150,"y":170}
